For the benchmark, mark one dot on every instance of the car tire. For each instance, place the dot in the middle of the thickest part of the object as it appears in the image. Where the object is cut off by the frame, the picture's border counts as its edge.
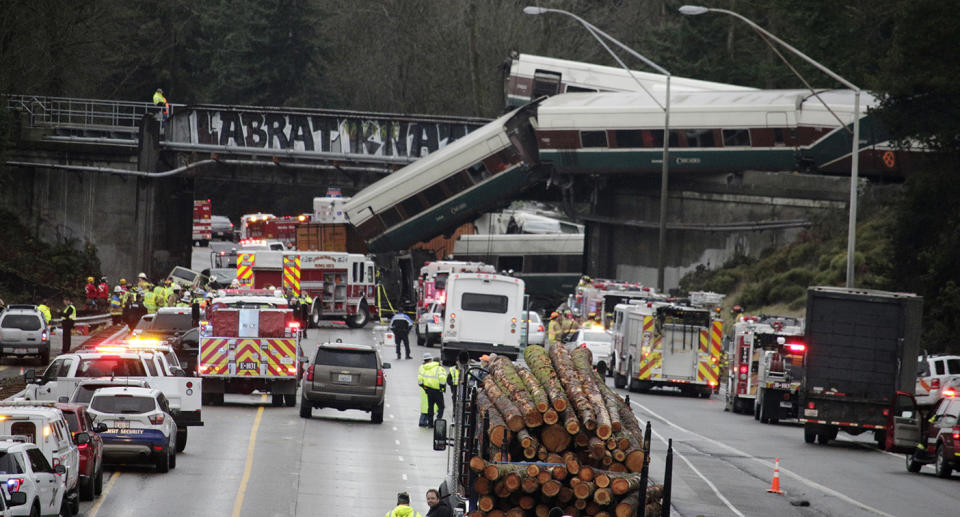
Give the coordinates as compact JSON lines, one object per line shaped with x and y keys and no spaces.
{"x":74,"y":506}
{"x":98,"y":482}
{"x":912,"y":464}
{"x":421,"y":339}
{"x":809,"y":433}
{"x":941,"y":466}
{"x":290,"y":400}
{"x":181,"y":439}
{"x":86,"y":489}
{"x":360,"y":319}
{"x":35,"y":509}
{"x":65,"y":510}
{"x":376,"y":416}
{"x":276,"y":400}
{"x":163,"y":462}
{"x":306,"y":410}
{"x":173,"y":459}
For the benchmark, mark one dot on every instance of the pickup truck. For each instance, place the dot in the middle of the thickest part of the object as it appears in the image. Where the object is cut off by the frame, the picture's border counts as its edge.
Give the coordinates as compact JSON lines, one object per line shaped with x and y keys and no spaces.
{"x":67,"y":371}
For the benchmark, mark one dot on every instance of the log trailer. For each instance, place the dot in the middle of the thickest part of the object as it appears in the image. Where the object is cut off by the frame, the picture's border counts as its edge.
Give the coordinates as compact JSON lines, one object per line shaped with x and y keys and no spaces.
{"x":660,"y":344}
{"x":250,"y":340}
{"x":765,"y":367}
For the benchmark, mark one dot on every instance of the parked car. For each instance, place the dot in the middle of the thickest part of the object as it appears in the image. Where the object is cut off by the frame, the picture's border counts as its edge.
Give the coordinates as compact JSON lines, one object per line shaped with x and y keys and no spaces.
{"x":600,"y":343}
{"x":221,"y":227}
{"x":139,"y":426}
{"x":429,"y":325}
{"x":534,"y":325}
{"x":939,"y":442}
{"x":30,"y":484}
{"x":344,"y":376}
{"x":24,"y":332}
{"x":87,"y":437}
{"x":936,"y":373}
{"x":87,"y":388}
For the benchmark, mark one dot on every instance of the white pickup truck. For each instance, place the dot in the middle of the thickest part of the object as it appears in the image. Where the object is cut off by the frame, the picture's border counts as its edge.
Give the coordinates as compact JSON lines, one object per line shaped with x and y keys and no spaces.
{"x":67,"y":371}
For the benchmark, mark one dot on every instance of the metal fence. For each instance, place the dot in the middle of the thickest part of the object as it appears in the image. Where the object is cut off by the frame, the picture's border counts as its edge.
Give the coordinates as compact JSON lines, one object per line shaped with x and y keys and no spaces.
{"x":67,"y":112}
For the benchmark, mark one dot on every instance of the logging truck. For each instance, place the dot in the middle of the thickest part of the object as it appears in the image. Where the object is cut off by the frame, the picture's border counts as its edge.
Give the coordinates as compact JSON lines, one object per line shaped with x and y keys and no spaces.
{"x":660,"y":344}
{"x":549,"y":436}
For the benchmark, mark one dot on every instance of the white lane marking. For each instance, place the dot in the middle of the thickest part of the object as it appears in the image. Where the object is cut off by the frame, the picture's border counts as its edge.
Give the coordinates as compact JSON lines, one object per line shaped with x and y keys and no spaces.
{"x":397,"y":442}
{"x":808,"y":482}
{"x":401,"y":458}
{"x":391,"y":417}
{"x":394,"y":427}
{"x":103,"y":494}
{"x":404,"y":476}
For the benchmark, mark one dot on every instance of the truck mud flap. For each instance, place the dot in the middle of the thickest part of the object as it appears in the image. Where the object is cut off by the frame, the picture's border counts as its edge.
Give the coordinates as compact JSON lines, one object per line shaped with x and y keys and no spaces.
{"x":187,"y":418}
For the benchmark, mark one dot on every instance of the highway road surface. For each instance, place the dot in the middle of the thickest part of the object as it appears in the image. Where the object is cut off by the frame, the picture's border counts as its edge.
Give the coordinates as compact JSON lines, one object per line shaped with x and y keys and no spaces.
{"x":253,"y":459}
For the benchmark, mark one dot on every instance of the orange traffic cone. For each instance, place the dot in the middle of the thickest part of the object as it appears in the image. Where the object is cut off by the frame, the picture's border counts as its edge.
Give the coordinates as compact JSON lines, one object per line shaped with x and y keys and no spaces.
{"x":775,"y":485}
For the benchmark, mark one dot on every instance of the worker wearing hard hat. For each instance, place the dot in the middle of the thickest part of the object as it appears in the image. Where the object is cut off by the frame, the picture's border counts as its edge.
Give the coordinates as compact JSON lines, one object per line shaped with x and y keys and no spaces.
{"x":432,"y":378}
{"x":116,"y":305}
{"x":91,"y":293}
{"x":569,"y":325}
{"x":554,"y":329}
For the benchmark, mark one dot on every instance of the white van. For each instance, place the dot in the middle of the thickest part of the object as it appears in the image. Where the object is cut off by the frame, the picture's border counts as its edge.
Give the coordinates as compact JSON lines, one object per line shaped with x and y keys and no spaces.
{"x":483,"y":315}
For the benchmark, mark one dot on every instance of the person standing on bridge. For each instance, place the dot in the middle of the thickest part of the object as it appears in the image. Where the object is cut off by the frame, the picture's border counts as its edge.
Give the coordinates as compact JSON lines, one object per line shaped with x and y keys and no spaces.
{"x":68,"y":315}
{"x":403,"y":507}
{"x":161,"y":102}
{"x":400,"y":324}
{"x":90,"y":293}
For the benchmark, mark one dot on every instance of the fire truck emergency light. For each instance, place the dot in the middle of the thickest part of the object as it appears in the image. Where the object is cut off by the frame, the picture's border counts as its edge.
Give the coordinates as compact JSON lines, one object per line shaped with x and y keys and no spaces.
{"x":797,"y":348}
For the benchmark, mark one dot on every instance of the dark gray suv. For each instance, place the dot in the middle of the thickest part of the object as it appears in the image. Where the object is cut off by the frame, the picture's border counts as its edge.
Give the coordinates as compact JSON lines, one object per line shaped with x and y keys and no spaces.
{"x":343,"y":376}
{"x":23,"y":332}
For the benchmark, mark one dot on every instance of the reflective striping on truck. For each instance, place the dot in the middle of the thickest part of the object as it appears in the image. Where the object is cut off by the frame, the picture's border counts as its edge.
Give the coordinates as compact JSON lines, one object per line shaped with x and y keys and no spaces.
{"x":250,"y":357}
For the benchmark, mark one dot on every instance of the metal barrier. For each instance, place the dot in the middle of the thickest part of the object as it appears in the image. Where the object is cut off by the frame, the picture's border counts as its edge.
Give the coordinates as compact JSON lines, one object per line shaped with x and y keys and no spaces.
{"x":68,"y":112}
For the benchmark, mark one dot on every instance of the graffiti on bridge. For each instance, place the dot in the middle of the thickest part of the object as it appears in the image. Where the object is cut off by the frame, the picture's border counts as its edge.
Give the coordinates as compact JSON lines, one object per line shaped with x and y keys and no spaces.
{"x":323,"y":133}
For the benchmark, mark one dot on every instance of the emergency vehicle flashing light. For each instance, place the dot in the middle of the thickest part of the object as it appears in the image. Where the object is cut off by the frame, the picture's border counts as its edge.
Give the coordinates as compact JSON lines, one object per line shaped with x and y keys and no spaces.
{"x":796,"y":348}
{"x":949,"y":392}
{"x":743,"y":368}
{"x":294,"y":324}
{"x":111,"y":349}
{"x":13,"y":484}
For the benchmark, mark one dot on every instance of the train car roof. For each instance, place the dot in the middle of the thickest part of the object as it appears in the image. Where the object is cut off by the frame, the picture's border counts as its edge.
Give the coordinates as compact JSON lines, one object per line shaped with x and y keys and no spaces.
{"x":410,"y":179}
{"x":612,"y":77}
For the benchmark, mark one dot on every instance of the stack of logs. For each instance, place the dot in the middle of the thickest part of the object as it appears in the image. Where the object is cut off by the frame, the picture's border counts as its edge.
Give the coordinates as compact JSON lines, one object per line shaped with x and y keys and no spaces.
{"x":557,"y":437}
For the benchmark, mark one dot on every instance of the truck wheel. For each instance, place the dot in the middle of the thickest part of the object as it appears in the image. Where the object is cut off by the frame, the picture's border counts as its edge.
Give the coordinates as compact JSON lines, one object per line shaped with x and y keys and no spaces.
{"x":912,"y":464}
{"x":74,"y":504}
{"x":881,"y":437}
{"x":809,"y":433}
{"x":942,"y":467}
{"x":276,"y":400}
{"x":824,"y":436}
{"x":421,"y":340}
{"x":181,"y":439}
{"x":756,"y":408}
{"x":360,"y":319}
{"x":163,"y":462}
{"x":290,"y":400}
{"x":45,"y":358}
{"x":306,"y":410}
{"x":376,"y":416}
{"x":619,"y":380}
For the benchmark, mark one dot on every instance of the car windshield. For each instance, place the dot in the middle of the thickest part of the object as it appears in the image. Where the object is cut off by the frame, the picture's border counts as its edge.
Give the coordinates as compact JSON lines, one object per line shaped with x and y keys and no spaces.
{"x":346,"y":358}
{"x":596,"y":336}
{"x":111,"y":367}
{"x":170,"y":322}
{"x":21,"y":321}
{"x":126,"y":404}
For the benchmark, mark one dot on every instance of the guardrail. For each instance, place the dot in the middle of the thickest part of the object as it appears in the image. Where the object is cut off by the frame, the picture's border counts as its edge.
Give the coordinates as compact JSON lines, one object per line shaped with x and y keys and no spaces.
{"x":71,"y":112}
{"x":95,"y":319}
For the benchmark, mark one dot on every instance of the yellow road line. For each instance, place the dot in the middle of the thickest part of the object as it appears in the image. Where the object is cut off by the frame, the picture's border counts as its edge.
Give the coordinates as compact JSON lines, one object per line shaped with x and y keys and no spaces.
{"x":238,"y":503}
{"x":103,"y":495}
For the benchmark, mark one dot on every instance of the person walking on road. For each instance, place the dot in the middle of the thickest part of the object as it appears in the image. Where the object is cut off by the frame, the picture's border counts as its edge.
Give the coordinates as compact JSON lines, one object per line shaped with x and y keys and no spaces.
{"x":400,"y":325}
{"x":403,"y":507}
{"x":438,"y":507}
{"x":68,"y":316}
{"x":432,"y":377}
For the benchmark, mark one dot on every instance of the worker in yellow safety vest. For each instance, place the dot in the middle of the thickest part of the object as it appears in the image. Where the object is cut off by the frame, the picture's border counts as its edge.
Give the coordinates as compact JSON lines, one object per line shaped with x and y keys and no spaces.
{"x":403,"y":507}
{"x":554,"y":329}
{"x":453,"y":380}
{"x":569,"y":325}
{"x":150,"y":299}
{"x":116,"y":305}
{"x":432,"y":378}
{"x":142,"y":282}
{"x":46,"y":312}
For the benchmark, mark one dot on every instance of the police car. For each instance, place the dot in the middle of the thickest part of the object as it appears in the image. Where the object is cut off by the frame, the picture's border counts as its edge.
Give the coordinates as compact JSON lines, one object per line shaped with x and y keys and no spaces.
{"x":31,"y":485}
{"x":139,"y":426}
{"x":44,"y":425}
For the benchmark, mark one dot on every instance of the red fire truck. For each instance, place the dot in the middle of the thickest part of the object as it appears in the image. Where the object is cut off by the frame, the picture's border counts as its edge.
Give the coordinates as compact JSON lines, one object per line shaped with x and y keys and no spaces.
{"x":250,"y":341}
{"x":283,"y":229}
{"x":202,"y":230}
{"x":342,"y":285}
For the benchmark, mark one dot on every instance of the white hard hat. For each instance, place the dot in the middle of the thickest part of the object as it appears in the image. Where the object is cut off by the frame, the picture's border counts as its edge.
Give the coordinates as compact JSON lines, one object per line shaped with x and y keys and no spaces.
{"x":427,"y":356}
{"x":142,"y":275}
{"x":117,"y":289}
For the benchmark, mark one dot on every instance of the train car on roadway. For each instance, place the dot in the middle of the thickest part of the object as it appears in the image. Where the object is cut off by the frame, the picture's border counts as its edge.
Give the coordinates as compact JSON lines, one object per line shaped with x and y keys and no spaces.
{"x":473,"y":175}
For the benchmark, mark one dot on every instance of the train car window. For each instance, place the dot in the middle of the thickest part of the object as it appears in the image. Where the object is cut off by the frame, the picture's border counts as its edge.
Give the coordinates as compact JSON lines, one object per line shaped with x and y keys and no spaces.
{"x":700,"y":138}
{"x":736,"y":138}
{"x":657,"y":137}
{"x":478,"y":173}
{"x":391,"y":217}
{"x":458,"y":183}
{"x":573,"y":89}
{"x":571,"y":264}
{"x":510,"y":263}
{"x":412,"y":205}
{"x":625,"y":138}
{"x":778,"y":136}
{"x":435,"y":194}
{"x":593,"y":138}
{"x":544,"y":264}
{"x":545,"y":82}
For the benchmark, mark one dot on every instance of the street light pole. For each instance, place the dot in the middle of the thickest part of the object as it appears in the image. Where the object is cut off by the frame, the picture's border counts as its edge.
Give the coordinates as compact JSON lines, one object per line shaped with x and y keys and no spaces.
{"x":693,"y":10}
{"x":665,"y":169}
